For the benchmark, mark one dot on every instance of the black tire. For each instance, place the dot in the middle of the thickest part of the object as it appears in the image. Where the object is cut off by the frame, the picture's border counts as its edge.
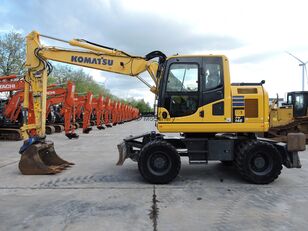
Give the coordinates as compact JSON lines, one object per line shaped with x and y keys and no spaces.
{"x":258,"y":162}
{"x":159,"y":162}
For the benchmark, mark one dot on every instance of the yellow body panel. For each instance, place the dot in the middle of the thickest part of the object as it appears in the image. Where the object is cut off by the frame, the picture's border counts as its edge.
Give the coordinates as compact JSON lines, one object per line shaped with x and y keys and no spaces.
{"x":211,"y":127}
{"x":281,"y":116}
{"x":254,"y":111}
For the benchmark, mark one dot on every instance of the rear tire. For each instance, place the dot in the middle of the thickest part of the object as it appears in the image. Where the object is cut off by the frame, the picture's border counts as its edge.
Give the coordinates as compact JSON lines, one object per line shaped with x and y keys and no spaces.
{"x":159,"y":162}
{"x":258,"y":162}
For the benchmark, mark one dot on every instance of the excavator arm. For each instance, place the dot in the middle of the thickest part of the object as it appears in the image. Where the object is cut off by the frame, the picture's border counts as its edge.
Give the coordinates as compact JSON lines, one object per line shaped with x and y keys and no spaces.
{"x":37,"y":155}
{"x":89,"y":55}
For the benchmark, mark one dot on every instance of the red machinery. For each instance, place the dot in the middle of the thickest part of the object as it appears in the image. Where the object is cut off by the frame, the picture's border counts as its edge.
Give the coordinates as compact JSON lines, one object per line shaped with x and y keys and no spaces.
{"x":11,"y":117}
{"x":65,"y":98}
{"x":98,"y":110}
{"x":84,"y":110}
{"x":107,"y":112}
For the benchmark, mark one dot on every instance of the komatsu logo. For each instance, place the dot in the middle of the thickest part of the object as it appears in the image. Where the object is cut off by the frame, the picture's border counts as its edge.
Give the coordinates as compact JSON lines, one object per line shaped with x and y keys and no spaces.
{"x":89,"y":60}
{"x":7,"y":86}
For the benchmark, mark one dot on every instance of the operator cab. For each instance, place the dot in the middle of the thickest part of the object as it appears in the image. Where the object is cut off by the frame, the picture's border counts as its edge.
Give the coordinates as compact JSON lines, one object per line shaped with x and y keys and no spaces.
{"x":190,"y":83}
{"x":299,"y":100}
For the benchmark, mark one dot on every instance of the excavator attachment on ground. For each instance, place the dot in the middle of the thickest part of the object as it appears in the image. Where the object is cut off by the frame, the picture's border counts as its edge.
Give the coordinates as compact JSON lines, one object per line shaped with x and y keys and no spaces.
{"x":40,"y":158}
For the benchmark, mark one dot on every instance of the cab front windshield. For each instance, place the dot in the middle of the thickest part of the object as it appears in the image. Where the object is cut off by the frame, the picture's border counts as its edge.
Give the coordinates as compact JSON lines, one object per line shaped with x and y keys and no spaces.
{"x":183,"y":78}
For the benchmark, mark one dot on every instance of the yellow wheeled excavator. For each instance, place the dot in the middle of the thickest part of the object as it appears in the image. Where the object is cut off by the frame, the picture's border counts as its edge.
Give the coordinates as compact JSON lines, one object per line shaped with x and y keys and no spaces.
{"x":217,"y":120}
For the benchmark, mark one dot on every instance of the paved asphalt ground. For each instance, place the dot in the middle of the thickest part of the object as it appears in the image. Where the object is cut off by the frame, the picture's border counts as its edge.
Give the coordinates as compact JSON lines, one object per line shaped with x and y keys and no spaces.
{"x":97,"y":195}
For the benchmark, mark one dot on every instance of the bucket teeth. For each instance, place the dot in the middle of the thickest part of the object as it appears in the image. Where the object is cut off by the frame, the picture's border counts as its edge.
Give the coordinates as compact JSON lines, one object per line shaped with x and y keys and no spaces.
{"x":41,"y":159}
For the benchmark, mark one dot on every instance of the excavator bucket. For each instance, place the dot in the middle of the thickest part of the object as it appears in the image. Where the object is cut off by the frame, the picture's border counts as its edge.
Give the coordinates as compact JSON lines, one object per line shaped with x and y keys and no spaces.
{"x":41,"y":159}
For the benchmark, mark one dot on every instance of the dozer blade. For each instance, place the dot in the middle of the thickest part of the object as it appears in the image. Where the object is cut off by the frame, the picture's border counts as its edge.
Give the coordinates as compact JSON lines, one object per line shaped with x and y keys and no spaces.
{"x":122,"y":153}
{"x":41,"y":159}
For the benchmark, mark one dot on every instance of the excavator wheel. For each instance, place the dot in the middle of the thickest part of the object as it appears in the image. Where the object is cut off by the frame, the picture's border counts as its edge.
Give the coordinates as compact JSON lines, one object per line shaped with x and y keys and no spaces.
{"x":72,"y":136}
{"x":41,"y":159}
{"x":50,"y":129}
{"x":159,"y":162}
{"x":86,"y":130}
{"x":258,"y":162}
{"x":59,"y":128}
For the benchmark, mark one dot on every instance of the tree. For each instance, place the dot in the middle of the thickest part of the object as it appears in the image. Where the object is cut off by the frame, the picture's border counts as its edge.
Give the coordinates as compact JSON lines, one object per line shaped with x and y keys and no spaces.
{"x":12,"y":53}
{"x":140,"y":104}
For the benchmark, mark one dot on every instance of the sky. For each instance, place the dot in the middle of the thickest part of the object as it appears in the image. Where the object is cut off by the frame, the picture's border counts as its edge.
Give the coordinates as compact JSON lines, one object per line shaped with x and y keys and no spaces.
{"x":254,"y":35}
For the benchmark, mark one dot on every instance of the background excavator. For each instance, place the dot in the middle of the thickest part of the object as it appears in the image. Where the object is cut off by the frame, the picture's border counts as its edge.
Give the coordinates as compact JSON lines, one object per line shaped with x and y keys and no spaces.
{"x":108,"y":113}
{"x":84,"y":111}
{"x":11,"y":117}
{"x":290,"y":117}
{"x":218,"y":120}
{"x":98,"y":109}
{"x":61,"y":109}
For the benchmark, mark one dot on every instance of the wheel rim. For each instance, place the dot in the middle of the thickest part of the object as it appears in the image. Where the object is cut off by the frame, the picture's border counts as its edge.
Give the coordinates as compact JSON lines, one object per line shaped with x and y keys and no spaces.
{"x":159,"y":163}
{"x":260,"y":164}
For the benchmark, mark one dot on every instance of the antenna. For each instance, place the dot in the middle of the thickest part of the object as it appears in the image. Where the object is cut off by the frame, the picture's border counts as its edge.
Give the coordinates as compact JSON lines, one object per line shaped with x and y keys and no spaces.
{"x":304,"y":69}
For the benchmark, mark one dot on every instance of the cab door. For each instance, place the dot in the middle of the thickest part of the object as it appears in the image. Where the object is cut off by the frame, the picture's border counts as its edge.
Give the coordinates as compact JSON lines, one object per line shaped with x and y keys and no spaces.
{"x":179,"y":98}
{"x":212,"y":103}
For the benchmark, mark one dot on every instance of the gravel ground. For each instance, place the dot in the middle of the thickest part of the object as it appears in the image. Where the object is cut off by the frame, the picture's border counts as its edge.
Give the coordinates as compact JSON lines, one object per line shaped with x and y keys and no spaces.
{"x":96,"y":194}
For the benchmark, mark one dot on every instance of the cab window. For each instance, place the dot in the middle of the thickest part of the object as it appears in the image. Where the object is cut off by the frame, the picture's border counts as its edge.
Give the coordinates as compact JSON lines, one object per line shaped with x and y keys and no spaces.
{"x":299,"y":102}
{"x":213,"y":76}
{"x":182,"y":95}
{"x":183,"y":78}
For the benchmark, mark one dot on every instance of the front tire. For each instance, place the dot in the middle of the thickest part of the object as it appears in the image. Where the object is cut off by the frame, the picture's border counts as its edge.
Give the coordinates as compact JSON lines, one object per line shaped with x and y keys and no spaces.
{"x":159,"y":162}
{"x":258,"y":162}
